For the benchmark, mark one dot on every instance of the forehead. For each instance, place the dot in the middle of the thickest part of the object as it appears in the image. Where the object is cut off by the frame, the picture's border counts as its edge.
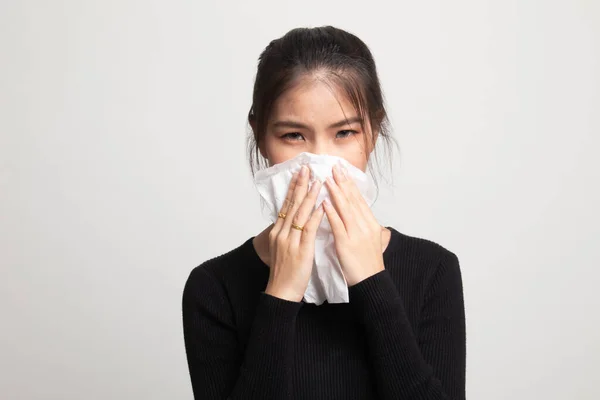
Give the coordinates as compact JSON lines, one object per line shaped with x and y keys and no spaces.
{"x":313,"y":101}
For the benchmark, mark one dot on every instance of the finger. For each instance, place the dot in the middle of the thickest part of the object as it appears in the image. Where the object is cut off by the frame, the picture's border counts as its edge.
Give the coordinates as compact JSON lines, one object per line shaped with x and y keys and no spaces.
{"x":279,"y":223}
{"x":290,"y":193}
{"x":299,"y":193}
{"x":340,"y":202}
{"x":344,"y":183}
{"x":309,"y":232}
{"x":337,"y":225}
{"x":303,"y":214}
{"x":350,"y":189}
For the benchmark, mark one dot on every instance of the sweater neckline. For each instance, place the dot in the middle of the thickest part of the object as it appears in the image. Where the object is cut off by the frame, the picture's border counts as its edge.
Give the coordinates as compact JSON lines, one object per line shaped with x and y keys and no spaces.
{"x":392,"y":247}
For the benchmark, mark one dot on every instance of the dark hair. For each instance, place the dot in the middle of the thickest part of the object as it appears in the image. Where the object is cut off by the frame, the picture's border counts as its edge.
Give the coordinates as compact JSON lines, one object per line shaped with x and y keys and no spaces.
{"x":330,"y":54}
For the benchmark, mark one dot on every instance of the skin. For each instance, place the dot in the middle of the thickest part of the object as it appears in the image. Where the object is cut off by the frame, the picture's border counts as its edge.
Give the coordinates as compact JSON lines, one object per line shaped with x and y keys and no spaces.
{"x":313,"y":116}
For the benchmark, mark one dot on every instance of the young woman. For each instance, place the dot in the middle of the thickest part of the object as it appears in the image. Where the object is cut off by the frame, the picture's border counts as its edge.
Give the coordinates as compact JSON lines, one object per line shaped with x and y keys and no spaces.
{"x":248,"y":334}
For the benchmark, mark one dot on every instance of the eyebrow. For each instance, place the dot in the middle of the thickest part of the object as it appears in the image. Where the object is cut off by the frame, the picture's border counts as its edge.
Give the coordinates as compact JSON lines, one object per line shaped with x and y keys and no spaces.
{"x":299,"y":125}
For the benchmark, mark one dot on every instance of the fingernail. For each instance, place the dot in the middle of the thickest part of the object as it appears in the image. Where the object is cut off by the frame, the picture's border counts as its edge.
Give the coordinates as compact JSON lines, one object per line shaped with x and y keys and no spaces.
{"x":302,"y":170}
{"x":338,"y":171}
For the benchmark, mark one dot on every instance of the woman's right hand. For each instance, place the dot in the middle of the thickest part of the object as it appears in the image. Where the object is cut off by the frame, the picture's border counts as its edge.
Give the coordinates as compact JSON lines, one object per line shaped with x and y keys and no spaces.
{"x":292,"y":250}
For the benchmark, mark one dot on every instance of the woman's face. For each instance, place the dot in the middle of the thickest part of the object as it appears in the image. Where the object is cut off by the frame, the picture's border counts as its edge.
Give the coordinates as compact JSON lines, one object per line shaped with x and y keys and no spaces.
{"x":310,"y":117}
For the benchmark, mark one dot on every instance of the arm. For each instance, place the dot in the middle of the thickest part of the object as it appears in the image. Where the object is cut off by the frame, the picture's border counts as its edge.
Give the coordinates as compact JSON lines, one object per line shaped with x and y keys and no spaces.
{"x":217,"y":368}
{"x":430,"y":366}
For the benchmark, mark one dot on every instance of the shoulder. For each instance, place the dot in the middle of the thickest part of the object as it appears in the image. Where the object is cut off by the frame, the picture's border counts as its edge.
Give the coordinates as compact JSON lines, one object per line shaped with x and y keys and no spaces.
{"x":414,"y":247}
{"x":229,"y":272}
{"x":219,"y":264}
{"x":420,"y":260}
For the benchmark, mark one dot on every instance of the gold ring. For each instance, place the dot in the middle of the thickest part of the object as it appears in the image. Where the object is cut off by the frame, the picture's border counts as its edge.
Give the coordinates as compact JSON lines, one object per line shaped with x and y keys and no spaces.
{"x":281,"y":215}
{"x":300,"y":228}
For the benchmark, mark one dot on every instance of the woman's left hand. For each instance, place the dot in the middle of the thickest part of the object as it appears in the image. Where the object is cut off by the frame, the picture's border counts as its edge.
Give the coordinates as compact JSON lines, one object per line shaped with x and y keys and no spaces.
{"x":356,"y":232}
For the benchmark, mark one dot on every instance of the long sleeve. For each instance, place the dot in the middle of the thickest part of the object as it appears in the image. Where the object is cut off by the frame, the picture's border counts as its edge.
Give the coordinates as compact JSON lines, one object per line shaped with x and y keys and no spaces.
{"x":219,"y":369}
{"x":428,"y":366}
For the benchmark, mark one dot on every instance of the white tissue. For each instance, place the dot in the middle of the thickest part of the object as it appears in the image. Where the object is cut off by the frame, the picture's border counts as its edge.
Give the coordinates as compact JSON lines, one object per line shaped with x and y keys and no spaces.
{"x":327,"y":281}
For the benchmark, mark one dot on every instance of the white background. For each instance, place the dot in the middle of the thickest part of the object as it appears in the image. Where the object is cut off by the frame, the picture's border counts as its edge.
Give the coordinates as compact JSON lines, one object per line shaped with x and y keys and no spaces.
{"x":123,"y":166}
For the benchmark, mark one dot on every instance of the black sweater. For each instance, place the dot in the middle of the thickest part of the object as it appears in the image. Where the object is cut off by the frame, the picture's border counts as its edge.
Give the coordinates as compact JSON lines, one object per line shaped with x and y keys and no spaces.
{"x":402,"y":336}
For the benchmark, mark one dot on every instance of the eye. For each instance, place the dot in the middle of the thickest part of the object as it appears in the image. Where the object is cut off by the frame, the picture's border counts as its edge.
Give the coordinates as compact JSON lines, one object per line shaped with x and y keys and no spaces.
{"x":345,"y":133}
{"x":293,"y":136}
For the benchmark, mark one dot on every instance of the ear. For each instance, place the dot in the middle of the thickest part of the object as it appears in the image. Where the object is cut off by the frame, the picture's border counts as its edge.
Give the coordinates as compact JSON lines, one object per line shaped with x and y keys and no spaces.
{"x":376,"y":126}
{"x":373,"y":141}
{"x":372,"y":138}
{"x":375,"y":135}
{"x":261,"y":148}
{"x":261,"y":145}
{"x":252,"y":123}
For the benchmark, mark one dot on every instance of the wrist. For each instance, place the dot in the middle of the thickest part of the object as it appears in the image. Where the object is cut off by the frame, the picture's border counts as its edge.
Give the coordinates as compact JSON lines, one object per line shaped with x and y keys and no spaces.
{"x":355,"y":280}
{"x":284,"y":294}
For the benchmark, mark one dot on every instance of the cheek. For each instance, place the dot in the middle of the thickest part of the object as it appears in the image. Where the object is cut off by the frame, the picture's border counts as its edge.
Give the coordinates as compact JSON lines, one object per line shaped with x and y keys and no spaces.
{"x":357,"y":157}
{"x":359,"y":162}
{"x":277,"y":152}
